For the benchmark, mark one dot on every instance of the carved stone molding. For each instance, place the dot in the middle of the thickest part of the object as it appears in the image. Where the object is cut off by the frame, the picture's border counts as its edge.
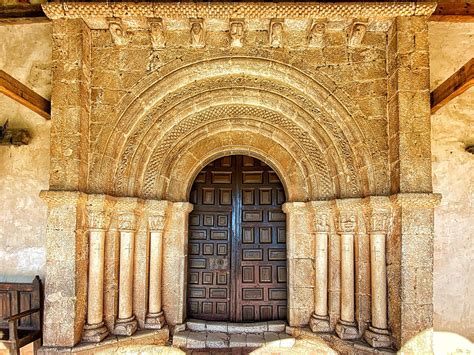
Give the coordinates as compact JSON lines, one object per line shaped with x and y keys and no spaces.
{"x":416,"y":200}
{"x":98,"y":210}
{"x":62,"y":198}
{"x":127,"y":212}
{"x":230,"y":10}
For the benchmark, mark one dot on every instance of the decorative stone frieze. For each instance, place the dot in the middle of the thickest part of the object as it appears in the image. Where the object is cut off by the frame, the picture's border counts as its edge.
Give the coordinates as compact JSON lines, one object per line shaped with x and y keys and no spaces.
{"x":244,"y":10}
{"x":276,"y":33}
{"x":316,"y":33}
{"x":198,"y":34}
{"x":118,"y":32}
{"x":357,"y":34}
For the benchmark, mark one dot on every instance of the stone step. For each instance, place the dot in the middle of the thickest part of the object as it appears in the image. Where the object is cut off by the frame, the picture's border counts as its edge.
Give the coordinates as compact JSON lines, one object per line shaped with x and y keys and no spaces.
{"x":235,"y":328}
{"x":218,"y":340}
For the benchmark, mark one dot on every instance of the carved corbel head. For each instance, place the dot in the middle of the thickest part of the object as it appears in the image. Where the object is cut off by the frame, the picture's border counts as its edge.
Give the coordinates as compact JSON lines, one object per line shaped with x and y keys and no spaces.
{"x":236,"y":32}
{"x":157,"y":33}
{"x":316,"y":33}
{"x":197,"y":33}
{"x":118,"y":32}
{"x":276,"y":33}
{"x":357,"y":34}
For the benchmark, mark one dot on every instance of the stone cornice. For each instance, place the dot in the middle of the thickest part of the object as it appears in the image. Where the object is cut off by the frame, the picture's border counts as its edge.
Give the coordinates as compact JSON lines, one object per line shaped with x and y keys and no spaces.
{"x":74,"y":10}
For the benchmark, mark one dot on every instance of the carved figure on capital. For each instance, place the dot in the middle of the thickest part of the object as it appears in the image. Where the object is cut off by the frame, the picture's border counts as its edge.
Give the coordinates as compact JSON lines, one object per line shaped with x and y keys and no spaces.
{"x":347,"y":222}
{"x":156,"y":223}
{"x":197,"y":33}
{"x":380,"y":222}
{"x":322,"y":223}
{"x":118,"y":32}
{"x":126,"y":221}
{"x":97,"y":219}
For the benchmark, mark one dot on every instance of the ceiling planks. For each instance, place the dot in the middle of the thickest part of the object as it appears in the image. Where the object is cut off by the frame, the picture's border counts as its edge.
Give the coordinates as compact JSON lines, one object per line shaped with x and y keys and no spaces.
{"x":454,"y":11}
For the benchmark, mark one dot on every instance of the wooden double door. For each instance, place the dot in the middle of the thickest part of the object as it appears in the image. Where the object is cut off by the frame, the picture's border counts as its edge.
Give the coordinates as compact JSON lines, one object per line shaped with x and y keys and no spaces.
{"x":237,"y":245}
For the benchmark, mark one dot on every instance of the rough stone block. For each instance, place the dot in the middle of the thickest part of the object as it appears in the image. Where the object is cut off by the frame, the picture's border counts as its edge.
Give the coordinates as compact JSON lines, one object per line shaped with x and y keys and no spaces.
{"x":255,"y":340}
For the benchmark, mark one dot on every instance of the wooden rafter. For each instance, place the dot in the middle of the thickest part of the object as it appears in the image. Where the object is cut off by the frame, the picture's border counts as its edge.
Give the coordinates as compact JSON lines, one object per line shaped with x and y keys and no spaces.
{"x":24,"y":95}
{"x":454,"y":11}
{"x":454,"y":86}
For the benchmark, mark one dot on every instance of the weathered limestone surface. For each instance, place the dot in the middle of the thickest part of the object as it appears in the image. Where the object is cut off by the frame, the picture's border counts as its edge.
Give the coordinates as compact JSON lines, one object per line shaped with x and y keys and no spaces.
{"x":25,"y":53}
{"x":452,"y":130}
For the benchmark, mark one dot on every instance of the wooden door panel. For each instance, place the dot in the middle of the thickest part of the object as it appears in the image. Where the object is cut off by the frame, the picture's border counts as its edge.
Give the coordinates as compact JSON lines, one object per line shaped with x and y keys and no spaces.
{"x":237,"y":243}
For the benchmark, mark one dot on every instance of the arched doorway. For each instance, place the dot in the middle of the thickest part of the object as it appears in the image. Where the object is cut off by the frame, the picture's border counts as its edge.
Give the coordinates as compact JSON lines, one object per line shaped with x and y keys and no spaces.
{"x":237,"y":268}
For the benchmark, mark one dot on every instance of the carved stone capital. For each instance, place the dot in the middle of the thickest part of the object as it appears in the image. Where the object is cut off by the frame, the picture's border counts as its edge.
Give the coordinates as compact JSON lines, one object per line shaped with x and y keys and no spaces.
{"x":98,"y":210}
{"x":156,"y":223}
{"x":322,"y":216}
{"x":346,"y":222}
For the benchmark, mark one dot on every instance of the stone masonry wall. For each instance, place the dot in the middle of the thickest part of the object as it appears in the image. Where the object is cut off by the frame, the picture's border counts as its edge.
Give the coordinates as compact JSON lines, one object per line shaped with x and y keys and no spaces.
{"x":451,"y":46}
{"x":25,"y":53}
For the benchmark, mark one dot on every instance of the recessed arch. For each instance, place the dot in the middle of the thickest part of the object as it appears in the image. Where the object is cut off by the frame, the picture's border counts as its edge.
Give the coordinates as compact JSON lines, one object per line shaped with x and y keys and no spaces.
{"x":164,"y":106}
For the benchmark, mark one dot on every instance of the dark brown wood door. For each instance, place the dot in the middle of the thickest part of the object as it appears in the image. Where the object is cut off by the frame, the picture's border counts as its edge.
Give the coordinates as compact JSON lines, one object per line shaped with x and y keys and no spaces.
{"x":237,"y":244}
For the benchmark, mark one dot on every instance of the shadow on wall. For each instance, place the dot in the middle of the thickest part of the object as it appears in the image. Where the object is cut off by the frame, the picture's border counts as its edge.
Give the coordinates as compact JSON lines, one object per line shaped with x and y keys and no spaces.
{"x":443,"y":343}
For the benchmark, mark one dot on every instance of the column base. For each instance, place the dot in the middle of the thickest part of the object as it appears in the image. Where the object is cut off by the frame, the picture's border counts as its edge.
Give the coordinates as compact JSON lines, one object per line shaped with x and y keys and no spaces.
{"x":319,"y":324}
{"x":378,"y":338}
{"x":126,"y":326}
{"x":155,"y":320}
{"x":347,"y":330}
{"x":94,"y":333}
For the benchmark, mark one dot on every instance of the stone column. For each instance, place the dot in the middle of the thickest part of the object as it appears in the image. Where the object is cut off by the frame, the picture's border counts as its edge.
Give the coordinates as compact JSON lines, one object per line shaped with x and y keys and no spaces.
{"x":346,"y":328}
{"x":319,"y":321}
{"x":66,"y":265}
{"x":378,"y":334}
{"x":155,"y":318}
{"x":98,"y":221}
{"x":126,"y":324}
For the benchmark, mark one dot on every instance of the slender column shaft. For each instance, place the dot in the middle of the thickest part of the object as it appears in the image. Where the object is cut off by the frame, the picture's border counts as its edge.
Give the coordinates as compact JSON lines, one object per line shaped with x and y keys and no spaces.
{"x":156,"y":256}
{"x":126,"y":274}
{"x":95,"y":291}
{"x":321,"y":282}
{"x":378,"y":281}
{"x":347,"y":277}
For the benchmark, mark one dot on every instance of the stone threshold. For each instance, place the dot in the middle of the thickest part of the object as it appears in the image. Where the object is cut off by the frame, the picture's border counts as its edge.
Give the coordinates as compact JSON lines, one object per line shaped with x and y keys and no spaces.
{"x":113,"y":343}
{"x":188,"y":339}
{"x":197,"y":325}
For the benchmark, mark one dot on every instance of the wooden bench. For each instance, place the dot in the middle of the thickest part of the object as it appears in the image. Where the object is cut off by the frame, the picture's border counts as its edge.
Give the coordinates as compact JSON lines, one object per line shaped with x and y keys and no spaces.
{"x":20,"y":314}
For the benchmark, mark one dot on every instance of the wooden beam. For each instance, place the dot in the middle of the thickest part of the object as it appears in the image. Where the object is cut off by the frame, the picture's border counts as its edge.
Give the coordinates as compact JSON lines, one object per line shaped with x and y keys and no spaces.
{"x":24,"y":95}
{"x":454,"y":11}
{"x":21,"y":10}
{"x":454,"y":86}
{"x":15,"y":137}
